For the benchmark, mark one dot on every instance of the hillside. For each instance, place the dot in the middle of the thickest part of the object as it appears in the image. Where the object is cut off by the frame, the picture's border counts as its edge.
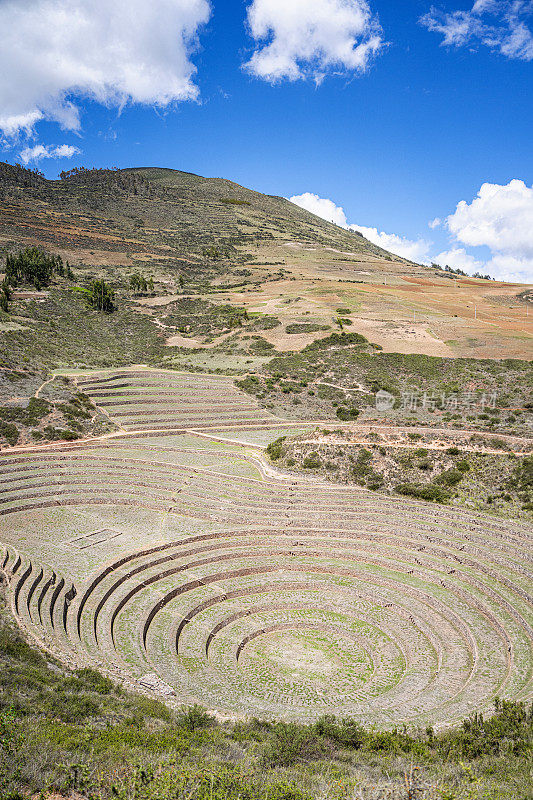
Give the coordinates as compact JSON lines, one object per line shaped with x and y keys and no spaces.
{"x":146,"y":217}
{"x":259,"y":252}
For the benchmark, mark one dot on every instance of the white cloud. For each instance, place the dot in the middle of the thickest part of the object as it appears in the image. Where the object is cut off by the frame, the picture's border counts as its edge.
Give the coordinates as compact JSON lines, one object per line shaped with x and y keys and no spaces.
{"x":498,"y":24}
{"x":325,"y":208}
{"x":414,"y":250}
{"x":501,"y":218}
{"x":40,"y":151}
{"x":458,"y":258}
{"x":53,"y":52}
{"x":321,"y":206}
{"x":308,"y":38}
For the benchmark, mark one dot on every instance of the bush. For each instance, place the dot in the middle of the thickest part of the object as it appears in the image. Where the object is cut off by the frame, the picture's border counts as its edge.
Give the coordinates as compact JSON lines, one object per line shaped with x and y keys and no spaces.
{"x":312,"y":461}
{"x":94,"y":681}
{"x":275,"y":448}
{"x":305,"y":327}
{"x":346,"y":731}
{"x":429,"y":491}
{"x":290,"y":743}
{"x":194,"y":718}
{"x":451,"y":477}
{"x":336,"y":339}
{"x":9,"y":432}
{"x":59,"y":434}
{"x":251,"y":384}
{"x":347,"y":414}
{"x":69,"y":707}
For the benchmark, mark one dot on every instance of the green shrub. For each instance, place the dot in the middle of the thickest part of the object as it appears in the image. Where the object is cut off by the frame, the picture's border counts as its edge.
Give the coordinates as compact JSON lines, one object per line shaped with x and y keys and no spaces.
{"x":69,"y":707}
{"x":345,"y":732}
{"x":9,"y":432}
{"x":450,"y":477}
{"x":194,"y":718}
{"x":336,"y":340}
{"x":94,"y":681}
{"x":251,"y":384}
{"x":429,"y":491}
{"x":275,"y":448}
{"x":347,"y":414}
{"x":312,"y":461}
{"x":290,"y":744}
{"x":59,"y":434}
{"x":305,"y":327}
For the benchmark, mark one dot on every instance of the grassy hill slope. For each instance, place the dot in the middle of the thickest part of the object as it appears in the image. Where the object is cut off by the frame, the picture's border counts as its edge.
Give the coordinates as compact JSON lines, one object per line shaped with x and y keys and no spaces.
{"x":259,"y":252}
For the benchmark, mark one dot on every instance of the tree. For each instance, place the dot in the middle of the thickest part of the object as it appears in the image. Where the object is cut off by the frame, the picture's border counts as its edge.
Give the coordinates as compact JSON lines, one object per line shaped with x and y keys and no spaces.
{"x":101,"y":296}
{"x":138,"y":283}
{"x":34,"y":266}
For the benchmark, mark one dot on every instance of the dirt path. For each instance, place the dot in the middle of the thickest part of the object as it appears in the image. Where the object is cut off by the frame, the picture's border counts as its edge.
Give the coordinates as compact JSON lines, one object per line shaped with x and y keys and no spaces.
{"x":41,"y":387}
{"x":527,"y":444}
{"x":358,"y":388}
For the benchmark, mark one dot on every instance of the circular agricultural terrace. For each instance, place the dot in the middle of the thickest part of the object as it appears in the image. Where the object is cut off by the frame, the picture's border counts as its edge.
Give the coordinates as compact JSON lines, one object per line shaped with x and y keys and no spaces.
{"x":182,"y":564}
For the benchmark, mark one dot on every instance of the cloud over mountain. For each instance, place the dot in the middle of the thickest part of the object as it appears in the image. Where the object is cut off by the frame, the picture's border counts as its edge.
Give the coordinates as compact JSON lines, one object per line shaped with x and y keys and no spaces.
{"x":39,"y":151}
{"x":323,"y":207}
{"x":500,"y":217}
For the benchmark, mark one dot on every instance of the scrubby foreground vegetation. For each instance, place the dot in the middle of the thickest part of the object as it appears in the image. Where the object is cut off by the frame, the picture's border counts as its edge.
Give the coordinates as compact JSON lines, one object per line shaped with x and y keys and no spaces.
{"x":67,"y":732}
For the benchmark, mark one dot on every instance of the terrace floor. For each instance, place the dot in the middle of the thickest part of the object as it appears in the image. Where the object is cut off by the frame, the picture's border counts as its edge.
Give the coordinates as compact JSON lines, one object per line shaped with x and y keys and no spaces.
{"x":175,"y":559}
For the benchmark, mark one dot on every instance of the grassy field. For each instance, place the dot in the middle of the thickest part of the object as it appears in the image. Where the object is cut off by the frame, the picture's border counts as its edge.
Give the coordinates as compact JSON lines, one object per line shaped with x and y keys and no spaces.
{"x":82,"y":735}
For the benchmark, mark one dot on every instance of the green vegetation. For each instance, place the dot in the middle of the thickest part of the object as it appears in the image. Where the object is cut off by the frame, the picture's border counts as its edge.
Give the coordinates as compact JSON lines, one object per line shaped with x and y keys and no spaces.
{"x":34,"y":266}
{"x":275,"y":449}
{"x":59,"y":331}
{"x":76,"y":731}
{"x":521,"y":481}
{"x":428,"y":491}
{"x":503,"y":482}
{"x":348,"y":360}
{"x":140,"y":284}
{"x":312,"y":461}
{"x":64,"y":414}
{"x":9,"y":432}
{"x":101,"y":297}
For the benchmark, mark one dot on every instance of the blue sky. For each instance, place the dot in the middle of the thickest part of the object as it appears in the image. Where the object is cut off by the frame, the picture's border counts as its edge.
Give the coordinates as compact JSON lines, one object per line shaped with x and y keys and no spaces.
{"x":394,"y":112}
